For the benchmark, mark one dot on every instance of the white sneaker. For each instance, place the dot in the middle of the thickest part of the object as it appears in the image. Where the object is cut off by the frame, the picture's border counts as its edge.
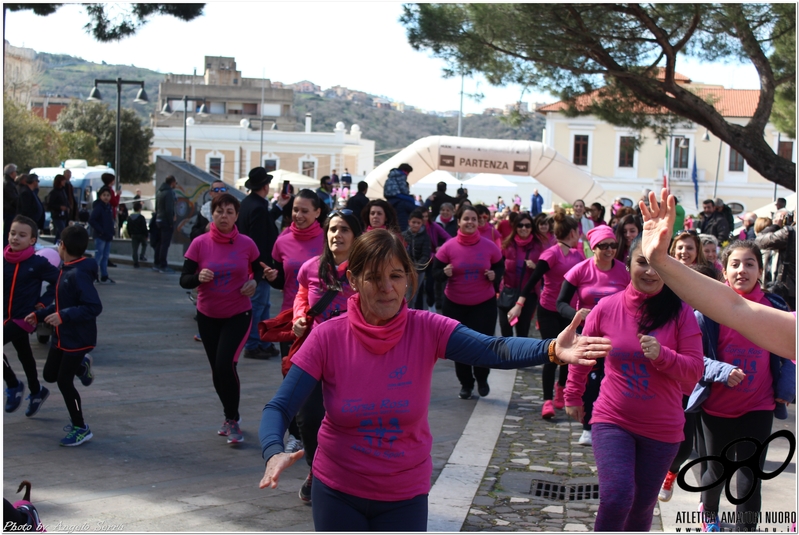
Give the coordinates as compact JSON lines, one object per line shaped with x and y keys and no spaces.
{"x":585,"y":438}
{"x":293,"y":444}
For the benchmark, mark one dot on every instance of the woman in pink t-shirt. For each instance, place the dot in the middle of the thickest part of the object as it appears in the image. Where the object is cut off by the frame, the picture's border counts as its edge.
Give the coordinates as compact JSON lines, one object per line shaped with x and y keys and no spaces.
{"x":529,"y":238}
{"x":591,"y":280}
{"x":552,"y":265}
{"x":318,"y":276}
{"x":472,"y":267}
{"x":638,"y":419}
{"x":379,"y":214}
{"x":375,"y":364}
{"x":485,"y":228}
{"x":628,"y":228}
{"x":222,"y":265}
{"x":745,"y":389}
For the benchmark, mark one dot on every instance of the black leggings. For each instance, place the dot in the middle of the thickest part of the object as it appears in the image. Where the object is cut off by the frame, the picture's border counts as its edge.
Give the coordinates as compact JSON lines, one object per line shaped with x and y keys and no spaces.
{"x":62,"y":367}
{"x":550,"y":324}
{"x":338,"y":511}
{"x":293,"y":428}
{"x":223,"y":339}
{"x":718,"y":433}
{"x":309,"y":420}
{"x":694,"y":439}
{"x":482,"y":318}
{"x":525,"y":319}
{"x":21,"y":341}
{"x":591,"y":393}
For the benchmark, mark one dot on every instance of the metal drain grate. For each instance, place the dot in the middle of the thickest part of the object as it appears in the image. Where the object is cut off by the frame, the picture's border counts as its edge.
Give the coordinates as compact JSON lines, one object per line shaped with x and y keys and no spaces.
{"x":555,"y":491}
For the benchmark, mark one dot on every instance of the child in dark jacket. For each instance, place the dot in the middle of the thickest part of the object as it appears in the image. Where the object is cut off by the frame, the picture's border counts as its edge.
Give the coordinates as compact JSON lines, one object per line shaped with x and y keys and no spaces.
{"x":23,"y":275}
{"x":74,"y":317}
{"x":418,"y":245}
{"x":102,"y":223}
{"x":137,"y":229}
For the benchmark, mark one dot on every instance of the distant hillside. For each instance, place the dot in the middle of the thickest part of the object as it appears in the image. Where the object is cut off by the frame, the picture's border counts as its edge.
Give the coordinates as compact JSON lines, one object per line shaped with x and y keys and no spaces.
{"x":391,"y":130}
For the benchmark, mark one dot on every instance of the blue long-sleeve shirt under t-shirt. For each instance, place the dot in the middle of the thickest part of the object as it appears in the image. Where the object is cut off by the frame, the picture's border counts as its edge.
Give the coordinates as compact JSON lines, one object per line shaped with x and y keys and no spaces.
{"x":464,"y":345}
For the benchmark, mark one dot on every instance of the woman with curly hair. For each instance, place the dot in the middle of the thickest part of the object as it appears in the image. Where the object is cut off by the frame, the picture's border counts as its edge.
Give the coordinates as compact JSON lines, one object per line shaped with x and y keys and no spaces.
{"x":379,"y":214}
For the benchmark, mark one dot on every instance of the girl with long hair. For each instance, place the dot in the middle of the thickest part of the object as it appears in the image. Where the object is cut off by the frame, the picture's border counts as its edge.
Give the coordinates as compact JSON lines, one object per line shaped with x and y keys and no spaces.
{"x":379,"y":214}
{"x":687,"y":248}
{"x":472,"y":267}
{"x":638,"y":418}
{"x":552,"y":265}
{"x":628,"y":228}
{"x":317,"y":276}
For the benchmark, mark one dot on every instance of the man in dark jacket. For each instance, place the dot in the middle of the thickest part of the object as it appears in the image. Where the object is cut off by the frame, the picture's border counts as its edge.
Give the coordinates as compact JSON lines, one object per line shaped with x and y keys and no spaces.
{"x":165,"y":222}
{"x":782,"y":240}
{"x":358,"y":202}
{"x":29,"y":203}
{"x":438,"y":198}
{"x":10,"y":198}
{"x":713,"y":222}
{"x":257,"y":221}
{"x":398,"y":194}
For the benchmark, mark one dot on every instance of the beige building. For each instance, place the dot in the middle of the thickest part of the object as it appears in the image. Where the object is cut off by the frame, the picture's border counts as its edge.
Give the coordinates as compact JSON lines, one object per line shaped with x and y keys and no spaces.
{"x":608,"y":153}
{"x":22,"y":74}
{"x":237,"y":130}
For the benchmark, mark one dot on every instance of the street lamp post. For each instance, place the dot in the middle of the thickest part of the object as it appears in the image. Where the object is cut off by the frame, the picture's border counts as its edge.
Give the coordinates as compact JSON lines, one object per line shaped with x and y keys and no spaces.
{"x":261,"y":119}
{"x":141,"y":98}
{"x":167,"y":112}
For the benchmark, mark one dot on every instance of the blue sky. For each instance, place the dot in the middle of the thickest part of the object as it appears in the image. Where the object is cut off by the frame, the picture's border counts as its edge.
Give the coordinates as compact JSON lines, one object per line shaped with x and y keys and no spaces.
{"x":360,"y":45}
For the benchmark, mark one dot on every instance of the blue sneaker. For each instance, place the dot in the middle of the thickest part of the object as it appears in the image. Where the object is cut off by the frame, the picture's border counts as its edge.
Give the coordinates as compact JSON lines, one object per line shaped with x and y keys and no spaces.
{"x":77,"y":436}
{"x":711,"y":526}
{"x":35,"y":401}
{"x":87,"y":377}
{"x":14,"y":397}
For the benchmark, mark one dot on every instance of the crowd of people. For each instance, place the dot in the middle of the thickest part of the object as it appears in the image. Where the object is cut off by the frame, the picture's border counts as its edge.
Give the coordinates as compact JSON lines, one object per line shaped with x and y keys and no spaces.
{"x":396,"y":284}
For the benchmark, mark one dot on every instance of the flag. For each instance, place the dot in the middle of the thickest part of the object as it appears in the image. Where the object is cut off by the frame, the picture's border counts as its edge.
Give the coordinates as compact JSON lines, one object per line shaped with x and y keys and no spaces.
{"x":695,"y":179}
{"x":666,"y":169}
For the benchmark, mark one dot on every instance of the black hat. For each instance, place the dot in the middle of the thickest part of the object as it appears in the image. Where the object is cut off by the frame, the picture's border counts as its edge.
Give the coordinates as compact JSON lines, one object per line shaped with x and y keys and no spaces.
{"x":258,"y":179}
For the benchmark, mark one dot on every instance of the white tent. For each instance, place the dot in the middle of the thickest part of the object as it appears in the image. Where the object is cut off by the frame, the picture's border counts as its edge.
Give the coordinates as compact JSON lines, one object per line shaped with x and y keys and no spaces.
{"x":427,"y":185}
{"x":486,"y":187}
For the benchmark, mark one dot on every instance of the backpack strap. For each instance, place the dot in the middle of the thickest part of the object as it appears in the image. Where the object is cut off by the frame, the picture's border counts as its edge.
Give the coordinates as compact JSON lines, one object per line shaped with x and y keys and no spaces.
{"x":325,"y":301}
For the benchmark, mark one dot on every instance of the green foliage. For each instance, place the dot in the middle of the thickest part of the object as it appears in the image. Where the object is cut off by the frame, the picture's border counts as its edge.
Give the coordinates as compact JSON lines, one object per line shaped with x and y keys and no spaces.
{"x":97,"y":120}
{"x":112,"y":22}
{"x":28,"y":141}
{"x":80,"y":146}
{"x":619,"y":50}
{"x":783,"y":61}
{"x":392,"y":131}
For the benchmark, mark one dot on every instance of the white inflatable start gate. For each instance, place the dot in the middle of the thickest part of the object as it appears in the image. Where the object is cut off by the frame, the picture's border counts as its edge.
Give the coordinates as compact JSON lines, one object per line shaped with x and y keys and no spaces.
{"x":502,"y":157}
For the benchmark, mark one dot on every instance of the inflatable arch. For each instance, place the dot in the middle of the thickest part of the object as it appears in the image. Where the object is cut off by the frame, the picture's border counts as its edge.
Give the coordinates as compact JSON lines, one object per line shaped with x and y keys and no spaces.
{"x":504,"y":157}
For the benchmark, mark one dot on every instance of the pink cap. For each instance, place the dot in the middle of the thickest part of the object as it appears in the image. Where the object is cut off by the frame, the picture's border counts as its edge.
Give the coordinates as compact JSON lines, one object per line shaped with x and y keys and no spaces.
{"x":597,"y":234}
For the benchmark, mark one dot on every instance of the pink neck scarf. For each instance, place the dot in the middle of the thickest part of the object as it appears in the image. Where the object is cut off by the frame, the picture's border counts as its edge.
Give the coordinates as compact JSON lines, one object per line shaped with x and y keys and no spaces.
{"x":308,"y":233}
{"x":219,"y":237}
{"x":378,"y":339}
{"x":468,"y":239}
{"x":523,"y":242}
{"x":15,"y":257}
{"x":370,"y":227}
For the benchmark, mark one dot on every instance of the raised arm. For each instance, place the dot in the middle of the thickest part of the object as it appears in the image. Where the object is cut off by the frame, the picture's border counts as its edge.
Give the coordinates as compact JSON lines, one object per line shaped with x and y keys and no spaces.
{"x":771,"y":329}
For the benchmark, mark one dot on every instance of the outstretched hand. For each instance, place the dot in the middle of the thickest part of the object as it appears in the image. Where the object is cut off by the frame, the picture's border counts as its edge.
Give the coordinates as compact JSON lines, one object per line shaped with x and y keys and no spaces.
{"x":275,"y":466}
{"x":573,"y":348}
{"x":658,"y":224}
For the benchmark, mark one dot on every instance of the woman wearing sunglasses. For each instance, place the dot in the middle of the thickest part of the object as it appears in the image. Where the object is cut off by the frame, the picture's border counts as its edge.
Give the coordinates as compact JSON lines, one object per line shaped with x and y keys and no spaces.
{"x":551,"y":267}
{"x":521,"y":250}
{"x":316,"y":278}
{"x":591,"y":280}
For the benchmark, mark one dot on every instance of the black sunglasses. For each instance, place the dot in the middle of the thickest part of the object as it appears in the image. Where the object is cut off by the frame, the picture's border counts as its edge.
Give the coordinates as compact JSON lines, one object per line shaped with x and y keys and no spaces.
{"x":525,"y":225}
{"x":606,"y":246}
{"x":344,"y":211}
{"x":219,"y":190}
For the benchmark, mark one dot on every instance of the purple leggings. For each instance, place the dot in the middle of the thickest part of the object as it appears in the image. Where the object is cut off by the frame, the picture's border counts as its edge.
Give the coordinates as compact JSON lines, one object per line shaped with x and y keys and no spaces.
{"x":631,"y":469}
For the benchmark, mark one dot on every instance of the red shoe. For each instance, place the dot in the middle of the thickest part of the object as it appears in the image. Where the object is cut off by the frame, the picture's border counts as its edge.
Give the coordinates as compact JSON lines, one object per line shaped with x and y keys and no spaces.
{"x":559,"y":401}
{"x":548,"y":410}
{"x":666,"y":490}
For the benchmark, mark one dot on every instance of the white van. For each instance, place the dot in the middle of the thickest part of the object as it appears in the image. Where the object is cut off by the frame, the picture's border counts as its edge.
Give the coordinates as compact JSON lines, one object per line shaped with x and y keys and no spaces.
{"x":85,"y":182}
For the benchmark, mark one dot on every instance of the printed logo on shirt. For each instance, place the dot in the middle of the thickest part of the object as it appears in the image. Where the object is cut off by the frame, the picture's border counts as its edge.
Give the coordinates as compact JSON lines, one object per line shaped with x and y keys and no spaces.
{"x":748,"y":366}
{"x":398,"y":373}
{"x":378,"y":435}
{"x":636,"y":375}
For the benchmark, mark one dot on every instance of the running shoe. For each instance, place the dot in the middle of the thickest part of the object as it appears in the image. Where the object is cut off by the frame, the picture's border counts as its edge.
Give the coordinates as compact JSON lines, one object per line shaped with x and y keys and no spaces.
{"x":293,"y":444}
{"x":483,"y":389}
{"x":548,"y":410}
{"x":559,"y":402}
{"x":585,"y":438}
{"x":107,"y":280}
{"x":305,"y":490}
{"x":465,"y":393}
{"x":668,"y":487}
{"x":708,"y":527}
{"x":14,"y":397}
{"x":87,"y":377}
{"x":225,"y":429}
{"x":198,"y":338}
{"x":77,"y":436}
{"x":235,"y":436}
{"x":35,"y":401}
{"x":32,"y":515}
{"x":166,"y":270}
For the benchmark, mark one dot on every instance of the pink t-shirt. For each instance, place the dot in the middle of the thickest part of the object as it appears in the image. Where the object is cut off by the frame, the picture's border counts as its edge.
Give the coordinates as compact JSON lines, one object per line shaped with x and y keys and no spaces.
{"x":293,"y":253}
{"x":559,"y":264}
{"x":232,"y":267}
{"x":756,"y":391}
{"x":488,"y":232}
{"x":468,"y":284}
{"x":638,"y":394}
{"x":515,"y":264}
{"x":375,"y":440}
{"x":593,"y":284}
{"x":308,"y":276}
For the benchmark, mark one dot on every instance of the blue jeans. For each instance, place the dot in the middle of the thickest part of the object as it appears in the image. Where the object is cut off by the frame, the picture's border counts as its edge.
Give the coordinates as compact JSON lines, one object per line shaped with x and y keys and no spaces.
{"x":103,"y":249}
{"x":260,"y":312}
{"x":338,"y":511}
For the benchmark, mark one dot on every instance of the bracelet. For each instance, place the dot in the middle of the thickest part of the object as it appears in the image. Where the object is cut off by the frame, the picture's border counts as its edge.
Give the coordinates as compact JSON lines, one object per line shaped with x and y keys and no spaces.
{"x":519,"y":304}
{"x":551,"y":352}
